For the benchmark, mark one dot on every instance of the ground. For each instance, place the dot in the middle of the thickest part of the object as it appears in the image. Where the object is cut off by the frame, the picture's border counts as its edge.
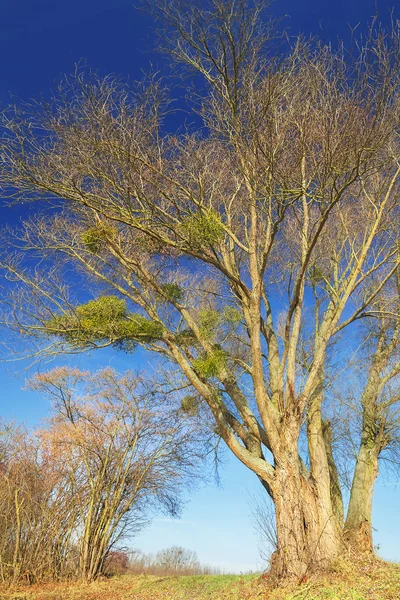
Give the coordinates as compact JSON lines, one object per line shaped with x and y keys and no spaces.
{"x":366,"y":580}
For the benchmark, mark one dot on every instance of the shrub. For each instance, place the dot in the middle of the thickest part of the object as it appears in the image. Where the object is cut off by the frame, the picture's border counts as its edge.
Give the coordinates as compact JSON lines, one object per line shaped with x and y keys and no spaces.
{"x":116,"y":563}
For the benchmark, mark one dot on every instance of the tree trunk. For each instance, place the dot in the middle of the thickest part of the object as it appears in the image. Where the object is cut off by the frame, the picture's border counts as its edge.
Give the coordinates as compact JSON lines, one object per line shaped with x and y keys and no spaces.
{"x":16,"y":556}
{"x":322,"y":464}
{"x":324,"y":476}
{"x":358,"y":526}
{"x":336,"y":491}
{"x":306,"y":540}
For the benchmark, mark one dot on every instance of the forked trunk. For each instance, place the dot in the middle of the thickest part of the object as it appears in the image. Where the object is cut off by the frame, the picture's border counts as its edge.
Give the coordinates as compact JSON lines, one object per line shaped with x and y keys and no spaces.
{"x":358,"y":526}
{"x":307,"y":540}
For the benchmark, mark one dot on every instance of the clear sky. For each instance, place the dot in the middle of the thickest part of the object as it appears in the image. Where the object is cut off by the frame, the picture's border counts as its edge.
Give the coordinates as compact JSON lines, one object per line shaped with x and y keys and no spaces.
{"x":39,"y":41}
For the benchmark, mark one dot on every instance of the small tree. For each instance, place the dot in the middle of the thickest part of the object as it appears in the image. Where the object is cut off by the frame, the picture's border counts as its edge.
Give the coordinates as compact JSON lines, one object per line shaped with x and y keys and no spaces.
{"x":121,"y":452}
{"x":264,"y":521}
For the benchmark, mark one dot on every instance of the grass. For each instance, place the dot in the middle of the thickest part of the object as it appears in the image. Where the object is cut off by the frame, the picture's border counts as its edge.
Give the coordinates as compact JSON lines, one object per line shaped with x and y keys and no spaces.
{"x":362,"y":580}
{"x":142,"y":587}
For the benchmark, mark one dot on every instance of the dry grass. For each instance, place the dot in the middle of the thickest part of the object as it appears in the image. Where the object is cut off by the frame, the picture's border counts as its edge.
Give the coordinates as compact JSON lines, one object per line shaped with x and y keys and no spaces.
{"x":143,"y":587}
{"x":352,"y":578}
{"x":349,"y":580}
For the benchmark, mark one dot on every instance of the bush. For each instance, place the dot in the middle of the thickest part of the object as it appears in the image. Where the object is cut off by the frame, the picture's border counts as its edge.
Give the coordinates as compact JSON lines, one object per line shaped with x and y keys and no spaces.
{"x":116,"y":563}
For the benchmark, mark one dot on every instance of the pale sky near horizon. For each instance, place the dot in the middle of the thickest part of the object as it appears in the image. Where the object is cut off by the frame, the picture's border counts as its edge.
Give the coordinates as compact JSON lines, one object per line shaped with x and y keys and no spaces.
{"x":39,"y":41}
{"x":216,"y":520}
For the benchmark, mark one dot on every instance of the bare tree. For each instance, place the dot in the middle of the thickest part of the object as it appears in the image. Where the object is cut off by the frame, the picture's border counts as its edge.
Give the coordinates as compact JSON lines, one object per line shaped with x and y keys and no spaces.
{"x":379,"y":422}
{"x":121,"y":452}
{"x":212,"y":250}
{"x":36,"y":514}
{"x":175,"y":560}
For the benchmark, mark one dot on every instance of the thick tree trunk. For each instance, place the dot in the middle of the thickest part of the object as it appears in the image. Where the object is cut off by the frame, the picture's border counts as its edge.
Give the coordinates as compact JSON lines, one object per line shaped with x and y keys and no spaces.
{"x":358,"y":526}
{"x":322,"y":464}
{"x":326,"y":501}
{"x":324,"y":475}
{"x":336,"y":491}
{"x":307,"y":541}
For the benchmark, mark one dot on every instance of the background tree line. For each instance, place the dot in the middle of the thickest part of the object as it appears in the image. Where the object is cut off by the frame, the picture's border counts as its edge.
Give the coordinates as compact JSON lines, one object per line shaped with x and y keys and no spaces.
{"x":257,"y":256}
{"x":112,"y":452}
{"x":175,"y":561}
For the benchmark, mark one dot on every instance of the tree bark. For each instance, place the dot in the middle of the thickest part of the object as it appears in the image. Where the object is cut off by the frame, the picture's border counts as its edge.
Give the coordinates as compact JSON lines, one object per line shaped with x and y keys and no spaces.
{"x":336,"y":491}
{"x":358,"y":526}
{"x":323,"y":475}
{"x":307,"y":533}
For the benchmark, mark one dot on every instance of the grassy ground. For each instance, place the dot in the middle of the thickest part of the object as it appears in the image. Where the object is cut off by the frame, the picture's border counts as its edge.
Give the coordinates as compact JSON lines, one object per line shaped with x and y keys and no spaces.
{"x":371,"y":580}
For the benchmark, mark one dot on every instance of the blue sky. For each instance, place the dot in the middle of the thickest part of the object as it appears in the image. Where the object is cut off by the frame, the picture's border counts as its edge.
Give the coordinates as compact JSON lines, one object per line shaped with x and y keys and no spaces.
{"x":39,"y":41}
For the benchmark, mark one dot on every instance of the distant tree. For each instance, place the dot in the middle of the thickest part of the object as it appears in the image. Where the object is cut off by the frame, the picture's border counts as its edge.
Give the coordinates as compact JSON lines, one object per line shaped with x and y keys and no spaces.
{"x":177,"y":559}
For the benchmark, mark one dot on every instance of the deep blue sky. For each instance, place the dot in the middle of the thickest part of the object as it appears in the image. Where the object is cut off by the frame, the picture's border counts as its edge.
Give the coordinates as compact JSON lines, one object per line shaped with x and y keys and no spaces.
{"x":39,"y":41}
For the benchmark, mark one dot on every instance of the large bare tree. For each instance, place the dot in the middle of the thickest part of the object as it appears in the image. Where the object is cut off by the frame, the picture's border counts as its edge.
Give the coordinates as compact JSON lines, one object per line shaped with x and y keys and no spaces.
{"x":238,"y":253}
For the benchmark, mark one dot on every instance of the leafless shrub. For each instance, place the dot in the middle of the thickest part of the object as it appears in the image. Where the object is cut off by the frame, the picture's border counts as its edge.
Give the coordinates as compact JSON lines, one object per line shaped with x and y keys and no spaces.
{"x":264,"y":522}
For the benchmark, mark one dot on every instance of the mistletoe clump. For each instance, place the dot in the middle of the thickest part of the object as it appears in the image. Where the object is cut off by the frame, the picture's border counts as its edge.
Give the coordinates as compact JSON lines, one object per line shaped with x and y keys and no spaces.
{"x":190,"y":405}
{"x":105,"y":319}
{"x":93,"y":238}
{"x":210,"y":364}
{"x":203,"y":228}
{"x":172,"y":292}
{"x":210,"y":320}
